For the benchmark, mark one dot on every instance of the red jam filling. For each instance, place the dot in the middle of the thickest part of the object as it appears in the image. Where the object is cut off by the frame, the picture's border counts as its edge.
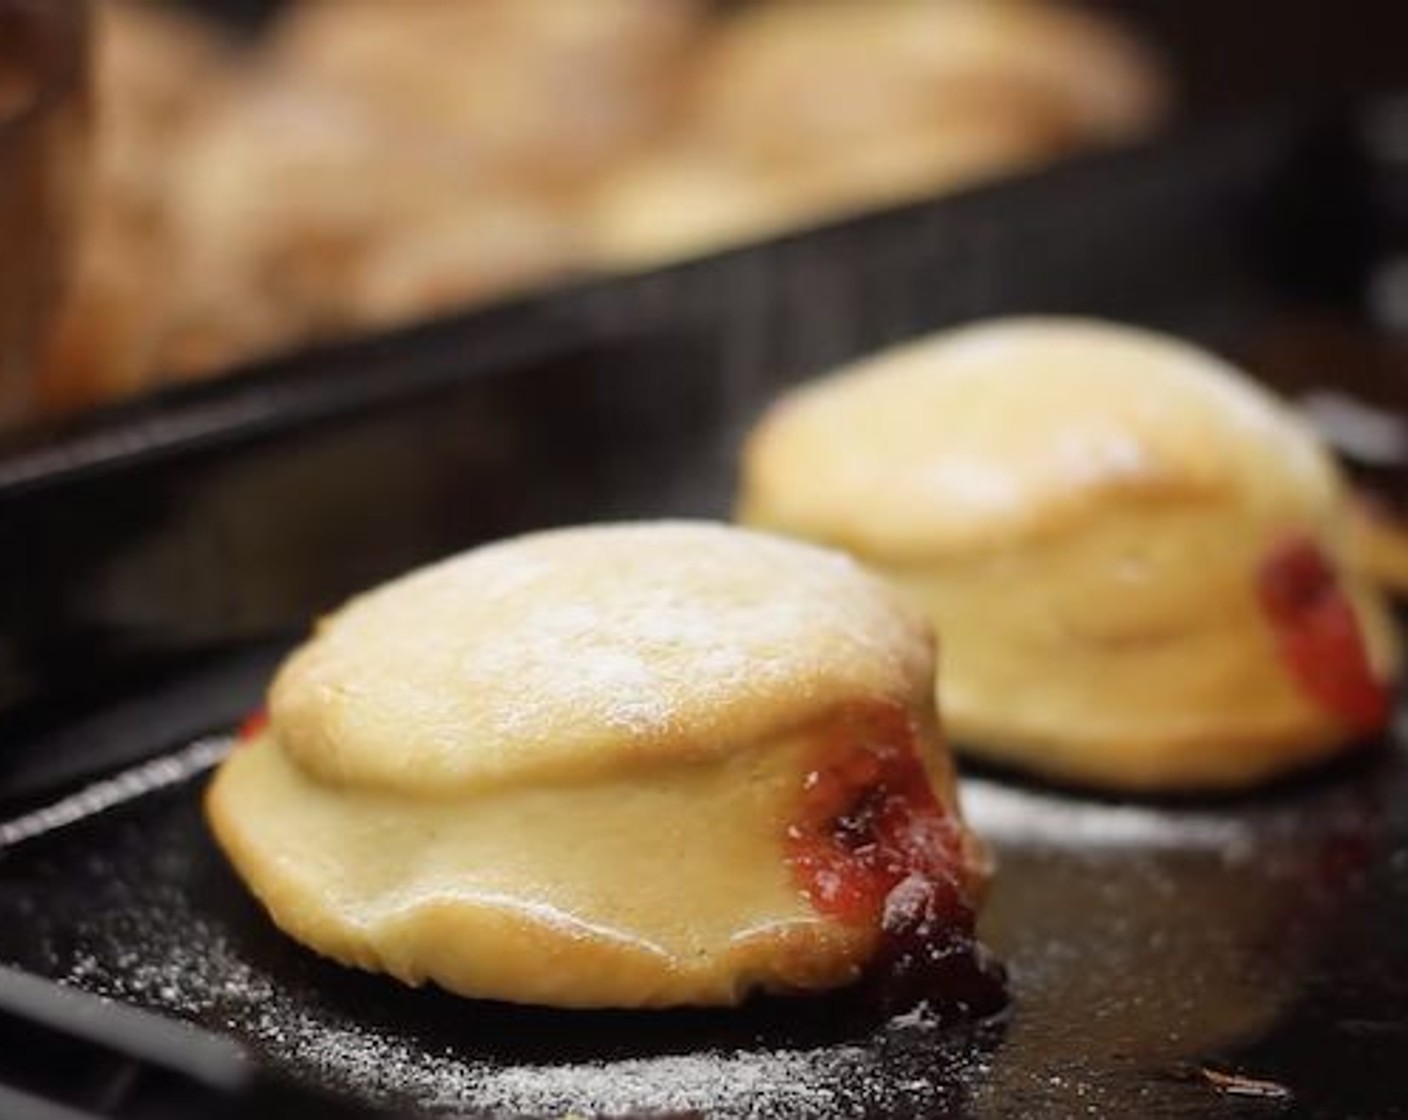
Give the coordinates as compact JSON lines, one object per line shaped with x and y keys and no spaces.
{"x":253,"y":726}
{"x":873,"y":846}
{"x":869,"y":821}
{"x":1318,"y":635}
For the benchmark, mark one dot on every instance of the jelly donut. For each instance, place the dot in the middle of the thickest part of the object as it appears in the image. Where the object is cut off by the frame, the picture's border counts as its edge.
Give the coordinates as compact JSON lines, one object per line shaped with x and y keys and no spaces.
{"x":619,"y":766}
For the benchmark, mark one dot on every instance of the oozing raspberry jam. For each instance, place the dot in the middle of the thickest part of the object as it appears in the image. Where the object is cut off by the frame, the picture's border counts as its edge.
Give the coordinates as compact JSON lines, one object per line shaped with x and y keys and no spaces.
{"x":873,"y":846}
{"x":253,"y":725}
{"x":1318,"y":635}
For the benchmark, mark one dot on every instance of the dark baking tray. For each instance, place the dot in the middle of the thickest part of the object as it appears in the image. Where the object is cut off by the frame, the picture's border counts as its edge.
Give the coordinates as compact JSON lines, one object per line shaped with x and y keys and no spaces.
{"x":1238,"y":957}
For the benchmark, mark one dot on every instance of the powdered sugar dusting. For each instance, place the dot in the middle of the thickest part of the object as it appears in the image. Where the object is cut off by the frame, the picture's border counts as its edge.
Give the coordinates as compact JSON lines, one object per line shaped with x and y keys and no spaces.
{"x":139,"y":913}
{"x":534,"y":654}
{"x":1196,"y":941}
{"x":1012,"y":815}
{"x":781,"y":1083}
{"x":198,"y":973}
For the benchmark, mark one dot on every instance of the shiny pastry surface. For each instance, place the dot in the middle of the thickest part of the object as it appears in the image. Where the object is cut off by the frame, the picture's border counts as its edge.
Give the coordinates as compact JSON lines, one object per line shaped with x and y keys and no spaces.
{"x":636,"y":765}
{"x":1133,"y":555}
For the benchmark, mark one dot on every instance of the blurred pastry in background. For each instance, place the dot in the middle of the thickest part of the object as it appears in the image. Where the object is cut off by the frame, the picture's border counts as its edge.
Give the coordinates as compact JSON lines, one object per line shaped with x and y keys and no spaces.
{"x":681,"y":201}
{"x":617,"y":766}
{"x":544,"y":91}
{"x":795,"y":81}
{"x":800,"y":112}
{"x":1136,"y":559}
{"x":363,"y":163}
{"x":326,"y":217}
{"x":1378,"y":542}
{"x":157,"y":73}
{"x":1370,"y":438}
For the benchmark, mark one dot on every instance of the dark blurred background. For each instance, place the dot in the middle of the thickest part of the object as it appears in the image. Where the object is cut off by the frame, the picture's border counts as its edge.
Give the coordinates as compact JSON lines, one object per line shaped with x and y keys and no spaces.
{"x":1232,"y":52}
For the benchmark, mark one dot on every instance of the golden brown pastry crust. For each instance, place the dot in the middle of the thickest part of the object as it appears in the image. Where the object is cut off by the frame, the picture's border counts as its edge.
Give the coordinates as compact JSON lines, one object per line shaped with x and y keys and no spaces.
{"x":567,"y":893}
{"x":562,"y":769}
{"x":575,"y":652}
{"x":1082,"y":510}
{"x":1002,"y":433}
